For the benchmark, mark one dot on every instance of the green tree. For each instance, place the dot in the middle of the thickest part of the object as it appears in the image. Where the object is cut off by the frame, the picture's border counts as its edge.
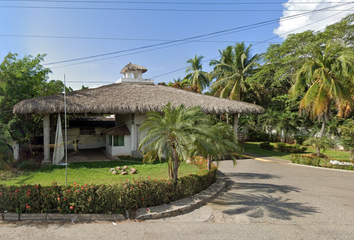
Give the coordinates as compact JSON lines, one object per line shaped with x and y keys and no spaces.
{"x":22,"y":79}
{"x":320,"y":143}
{"x":326,"y":81}
{"x":347,"y":136}
{"x":196,"y":75}
{"x":178,"y":132}
{"x":235,"y":66}
{"x":220,"y":142}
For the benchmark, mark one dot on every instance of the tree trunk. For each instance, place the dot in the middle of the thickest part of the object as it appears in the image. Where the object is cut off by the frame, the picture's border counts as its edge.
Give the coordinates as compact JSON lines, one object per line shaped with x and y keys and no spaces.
{"x":351,"y":154}
{"x":209,"y":162}
{"x":318,"y":151}
{"x":323,"y":128}
{"x":175,"y":165}
{"x":170,"y":168}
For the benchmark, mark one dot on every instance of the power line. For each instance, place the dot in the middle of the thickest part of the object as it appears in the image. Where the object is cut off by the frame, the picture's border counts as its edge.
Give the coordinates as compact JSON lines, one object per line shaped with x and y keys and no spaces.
{"x":254,"y":44}
{"x":107,"y":38}
{"x":161,"y":9}
{"x":250,"y":26}
{"x":169,"y":3}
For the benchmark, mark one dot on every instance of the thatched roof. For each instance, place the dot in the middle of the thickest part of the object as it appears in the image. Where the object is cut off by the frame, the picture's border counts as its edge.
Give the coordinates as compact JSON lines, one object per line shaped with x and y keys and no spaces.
{"x":119,"y":130}
{"x":131,"y":98}
{"x":133,"y":67}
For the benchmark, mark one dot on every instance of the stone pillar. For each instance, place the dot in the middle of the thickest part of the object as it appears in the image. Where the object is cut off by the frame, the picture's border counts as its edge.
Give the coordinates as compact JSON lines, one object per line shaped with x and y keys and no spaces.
{"x":46,"y":139}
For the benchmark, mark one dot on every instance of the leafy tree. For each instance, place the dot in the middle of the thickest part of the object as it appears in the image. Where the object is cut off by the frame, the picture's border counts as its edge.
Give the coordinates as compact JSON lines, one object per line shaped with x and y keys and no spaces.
{"x":347,"y":136}
{"x":195,"y":74}
{"x":22,"y":79}
{"x":325,"y":80}
{"x":231,"y":72}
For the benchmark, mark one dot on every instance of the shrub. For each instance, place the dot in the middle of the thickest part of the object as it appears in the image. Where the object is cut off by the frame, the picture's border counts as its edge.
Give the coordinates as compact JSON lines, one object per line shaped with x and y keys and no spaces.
{"x":314,"y":160}
{"x":87,"y":198}
{"x":281,"y":147}
{"x":266,"y":146}
{"x":256,"y":135}
{"x":29,"y":165}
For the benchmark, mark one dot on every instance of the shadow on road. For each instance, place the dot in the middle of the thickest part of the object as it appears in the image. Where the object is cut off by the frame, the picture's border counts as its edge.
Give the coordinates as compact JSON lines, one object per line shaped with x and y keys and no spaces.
{"x":266,"y":188}
{"x":251,"y":175}
{"x":258,"y":206}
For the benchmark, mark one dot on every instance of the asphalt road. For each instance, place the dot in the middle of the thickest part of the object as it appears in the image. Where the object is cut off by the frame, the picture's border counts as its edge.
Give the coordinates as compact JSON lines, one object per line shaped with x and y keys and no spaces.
{"x":264,"y":200}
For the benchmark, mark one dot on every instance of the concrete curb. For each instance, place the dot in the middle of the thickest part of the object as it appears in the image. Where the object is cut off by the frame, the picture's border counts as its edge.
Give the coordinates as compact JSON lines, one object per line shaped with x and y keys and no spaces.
{"x":165,"y":210}
{"x":55,"y":217}
{"x":181,"y":206}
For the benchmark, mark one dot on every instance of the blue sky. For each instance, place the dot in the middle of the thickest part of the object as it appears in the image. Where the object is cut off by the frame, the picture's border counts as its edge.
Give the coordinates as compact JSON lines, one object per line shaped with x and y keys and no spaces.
{"x":72,"y":29}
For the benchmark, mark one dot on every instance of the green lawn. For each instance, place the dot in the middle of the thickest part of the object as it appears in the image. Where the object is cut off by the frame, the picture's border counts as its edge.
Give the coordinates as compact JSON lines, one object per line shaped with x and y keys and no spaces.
{"x":253,"y":147}
{"x":93,"y":172}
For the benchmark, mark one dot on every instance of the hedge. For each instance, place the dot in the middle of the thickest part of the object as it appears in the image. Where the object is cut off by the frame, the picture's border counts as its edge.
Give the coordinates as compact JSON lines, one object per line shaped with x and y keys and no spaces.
{"x":90,"y":198}
{"x":317,"y":161}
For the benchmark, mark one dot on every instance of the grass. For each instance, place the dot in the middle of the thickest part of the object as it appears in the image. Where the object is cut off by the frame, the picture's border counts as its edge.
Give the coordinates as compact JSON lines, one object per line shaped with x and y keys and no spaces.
{"x":253,"y":148}
{"x":92,"y":173}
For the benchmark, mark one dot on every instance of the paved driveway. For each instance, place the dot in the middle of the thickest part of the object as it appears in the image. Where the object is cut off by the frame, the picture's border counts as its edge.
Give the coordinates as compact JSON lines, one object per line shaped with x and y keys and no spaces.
{"x":278,"y":200}
{"x":264,"y":200}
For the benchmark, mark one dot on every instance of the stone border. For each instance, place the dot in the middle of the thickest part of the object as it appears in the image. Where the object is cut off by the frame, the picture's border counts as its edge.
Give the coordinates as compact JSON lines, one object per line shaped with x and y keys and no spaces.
{"x":54,"y":217}
{"x":182,"y":205}
{"x":165,"y":210}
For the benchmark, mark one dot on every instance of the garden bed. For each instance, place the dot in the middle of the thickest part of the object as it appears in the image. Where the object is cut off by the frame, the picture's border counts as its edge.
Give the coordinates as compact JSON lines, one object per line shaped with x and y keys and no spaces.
{"x":131,"y":194}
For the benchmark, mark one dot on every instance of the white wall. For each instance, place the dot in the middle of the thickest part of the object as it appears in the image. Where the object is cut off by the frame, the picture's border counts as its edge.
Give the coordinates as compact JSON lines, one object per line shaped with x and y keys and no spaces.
{"x":125,"y":150}
{"x":85,"y":141}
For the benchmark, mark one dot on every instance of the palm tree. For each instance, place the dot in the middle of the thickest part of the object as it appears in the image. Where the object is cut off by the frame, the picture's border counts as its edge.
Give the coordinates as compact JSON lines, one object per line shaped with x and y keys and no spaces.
{"x":171,"y":133}
{"x":220,"y":143}
{"x":231,"y":72}
{"x":325,"y":80}
{"x":195,"y":74}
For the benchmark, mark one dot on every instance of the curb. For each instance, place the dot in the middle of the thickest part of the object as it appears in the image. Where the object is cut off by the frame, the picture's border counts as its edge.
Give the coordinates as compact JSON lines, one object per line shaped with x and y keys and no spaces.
{"x":181,"y":206}
{"x":55,"y":217}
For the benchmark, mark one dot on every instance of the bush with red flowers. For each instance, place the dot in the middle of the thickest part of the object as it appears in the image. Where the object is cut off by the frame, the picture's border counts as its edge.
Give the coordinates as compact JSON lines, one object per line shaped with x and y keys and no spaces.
{"x":91,"y":198}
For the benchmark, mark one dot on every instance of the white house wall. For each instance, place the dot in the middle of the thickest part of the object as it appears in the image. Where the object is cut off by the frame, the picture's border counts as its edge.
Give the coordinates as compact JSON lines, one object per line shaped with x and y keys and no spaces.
{"x":125,"y":150}
{"x":131,"y":142}
{"x":85,"y":141}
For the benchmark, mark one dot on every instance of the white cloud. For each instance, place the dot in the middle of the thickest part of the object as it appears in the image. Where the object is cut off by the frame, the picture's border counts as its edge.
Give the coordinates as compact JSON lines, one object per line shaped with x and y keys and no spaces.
{"x":316,"y":21}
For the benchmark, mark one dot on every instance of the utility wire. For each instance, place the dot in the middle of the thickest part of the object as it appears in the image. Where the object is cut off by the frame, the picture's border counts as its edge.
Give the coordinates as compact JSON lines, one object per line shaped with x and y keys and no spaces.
{"x":161,"y":9}
{"x":190,"y":38}
{"x":169,"y":3}
{"x":107,"y":38}
{"x":284,"y":34}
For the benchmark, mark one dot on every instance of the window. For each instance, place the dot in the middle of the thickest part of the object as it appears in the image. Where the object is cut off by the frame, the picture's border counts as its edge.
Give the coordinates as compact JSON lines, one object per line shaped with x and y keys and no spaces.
{"x":87,"y":131}
{"x":118,"y":141}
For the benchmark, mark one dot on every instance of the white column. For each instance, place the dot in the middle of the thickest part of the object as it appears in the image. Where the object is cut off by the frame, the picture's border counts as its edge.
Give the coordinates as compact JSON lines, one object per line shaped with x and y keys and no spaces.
{"x":46,"y":139}
{"x":236,"y":116}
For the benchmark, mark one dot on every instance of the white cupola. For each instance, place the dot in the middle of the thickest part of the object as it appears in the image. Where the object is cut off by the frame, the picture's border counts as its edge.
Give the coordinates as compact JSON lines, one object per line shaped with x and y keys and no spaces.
{"x":133,"y":73}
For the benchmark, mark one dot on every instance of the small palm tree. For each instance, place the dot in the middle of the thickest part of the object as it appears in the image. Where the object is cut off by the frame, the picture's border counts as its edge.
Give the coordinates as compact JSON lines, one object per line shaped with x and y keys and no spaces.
{"x":171,"y":132}
{"x":220,"y":143}
{"x":320,"y":143}
{"x":195,"y":74}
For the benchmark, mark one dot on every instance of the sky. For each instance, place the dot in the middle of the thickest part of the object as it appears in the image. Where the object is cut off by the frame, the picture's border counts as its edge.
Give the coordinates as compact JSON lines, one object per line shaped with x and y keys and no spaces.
{"x":90,"y":41}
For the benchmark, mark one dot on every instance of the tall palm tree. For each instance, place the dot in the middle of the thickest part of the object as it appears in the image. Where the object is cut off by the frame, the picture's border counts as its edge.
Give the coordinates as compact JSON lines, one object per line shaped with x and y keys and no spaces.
{"x":196,"y":75}
{"x":327,"y":80}
{"x":231,"y":72}
{"x":171,"y":133}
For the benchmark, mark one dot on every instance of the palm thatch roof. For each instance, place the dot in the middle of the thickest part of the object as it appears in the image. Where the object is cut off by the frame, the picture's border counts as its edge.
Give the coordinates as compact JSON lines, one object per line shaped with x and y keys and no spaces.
{"x":131,"y":98}
{"x":133,"y":67}
{"x":119,"y":130}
